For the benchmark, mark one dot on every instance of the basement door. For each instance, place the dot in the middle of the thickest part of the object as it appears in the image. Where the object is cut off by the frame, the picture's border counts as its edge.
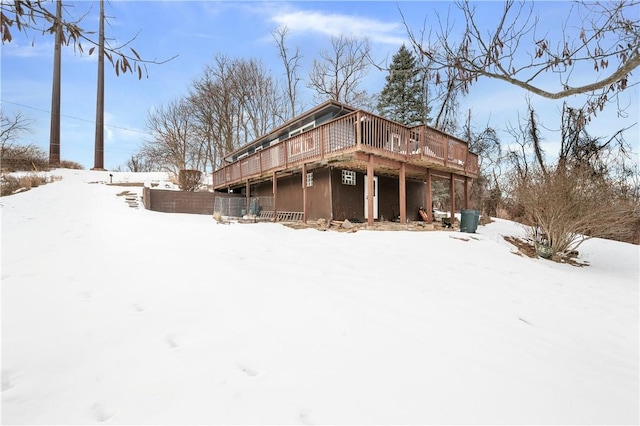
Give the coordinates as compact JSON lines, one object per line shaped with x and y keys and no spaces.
{"x":375,"y":197}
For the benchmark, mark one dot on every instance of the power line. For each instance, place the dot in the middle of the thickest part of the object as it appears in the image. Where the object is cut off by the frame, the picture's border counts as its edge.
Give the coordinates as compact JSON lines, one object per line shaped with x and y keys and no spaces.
{"x":74,"y":118}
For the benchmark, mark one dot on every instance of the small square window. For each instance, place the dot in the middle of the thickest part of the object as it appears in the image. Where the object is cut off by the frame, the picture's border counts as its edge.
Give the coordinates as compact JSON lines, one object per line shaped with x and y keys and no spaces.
{"x":348,"y":177}
{"x":309,"y":179}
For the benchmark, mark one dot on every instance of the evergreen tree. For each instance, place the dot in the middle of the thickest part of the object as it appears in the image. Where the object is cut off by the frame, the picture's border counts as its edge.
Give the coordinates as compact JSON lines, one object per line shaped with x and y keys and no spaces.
{"x":402,"y":99}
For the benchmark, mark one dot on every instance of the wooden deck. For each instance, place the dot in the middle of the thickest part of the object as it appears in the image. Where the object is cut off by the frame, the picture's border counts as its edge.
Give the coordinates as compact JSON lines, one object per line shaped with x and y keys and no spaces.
{"x":349,"y":142}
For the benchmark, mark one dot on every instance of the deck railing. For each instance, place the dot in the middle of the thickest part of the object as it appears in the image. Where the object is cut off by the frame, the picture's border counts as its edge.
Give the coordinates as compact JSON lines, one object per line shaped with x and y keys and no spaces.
{"x":374,"y":134}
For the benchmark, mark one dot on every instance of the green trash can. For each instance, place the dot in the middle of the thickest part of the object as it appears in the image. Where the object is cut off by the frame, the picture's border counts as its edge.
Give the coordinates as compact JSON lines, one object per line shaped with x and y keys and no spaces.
{"x":469,"y":220}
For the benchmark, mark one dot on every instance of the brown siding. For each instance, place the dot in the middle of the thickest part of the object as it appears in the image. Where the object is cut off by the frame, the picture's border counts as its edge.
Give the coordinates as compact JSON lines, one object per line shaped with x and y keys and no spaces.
{"x":289,"y":192}
{"x":162,"y":200}
{"x":319,"y":195}
{"x":348,"y":200}
{"x":328,"y":198}
{"x":388,"y":198}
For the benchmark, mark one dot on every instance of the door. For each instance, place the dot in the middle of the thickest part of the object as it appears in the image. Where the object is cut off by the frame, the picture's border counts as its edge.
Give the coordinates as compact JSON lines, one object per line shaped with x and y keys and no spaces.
{"x":375,"y":197}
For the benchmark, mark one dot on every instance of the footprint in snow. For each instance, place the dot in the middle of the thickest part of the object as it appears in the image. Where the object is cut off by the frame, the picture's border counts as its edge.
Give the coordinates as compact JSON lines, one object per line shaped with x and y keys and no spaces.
{"x":170,"y":340}
{"x":138,"y":307}
{"x":248,"y":370}
{"x":303,"y":417}
{"x":100,"y":413}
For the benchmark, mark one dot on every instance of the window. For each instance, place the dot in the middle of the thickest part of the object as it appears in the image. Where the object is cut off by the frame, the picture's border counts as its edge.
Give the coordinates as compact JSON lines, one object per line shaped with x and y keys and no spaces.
{"x":348,"y":177}
{"x":302,"y":129}
{"x":309,"y":179}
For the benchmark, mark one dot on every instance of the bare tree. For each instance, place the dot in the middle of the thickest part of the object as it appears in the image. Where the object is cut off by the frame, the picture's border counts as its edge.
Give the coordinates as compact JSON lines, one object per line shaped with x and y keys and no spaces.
{"x":174,"y":146}
{"x":234,"y":102}
{"x":443,"y":86}
{"x":580,"y":149}
{"x":517,"y":50}
{"x":217,"y":108}
{"x":32,"y":16}
{"x":204,"y":106}
{"x":526,"y":152}
{"x":291,"y":62}
{"x":259,"y":96}
{"x":485,"y":190}
{"x":15,"y":156}
{"x":339,"y":72}
{"x":138,"y":163}
{"x":11,"y":128}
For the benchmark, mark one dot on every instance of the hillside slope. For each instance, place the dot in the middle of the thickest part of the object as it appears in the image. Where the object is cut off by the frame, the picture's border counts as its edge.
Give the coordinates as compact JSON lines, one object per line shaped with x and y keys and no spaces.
{"x":113,"y":315}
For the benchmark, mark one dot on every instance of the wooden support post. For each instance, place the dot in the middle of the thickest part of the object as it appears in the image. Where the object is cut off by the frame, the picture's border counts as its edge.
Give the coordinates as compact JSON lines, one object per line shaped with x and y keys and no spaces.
{"x":275,"y":197}
{"x":248,"y":194}
{"x":452,"y":197}
{"x":304,"y":192}
{"x":370,"y":190}
{"x":429,"y":205}
{"x":466,"y":192}
{"x":403,"y":193}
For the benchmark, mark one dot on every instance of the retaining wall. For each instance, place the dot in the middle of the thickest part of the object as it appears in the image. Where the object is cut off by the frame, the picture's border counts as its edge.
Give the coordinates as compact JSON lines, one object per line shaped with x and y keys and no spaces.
{"x":162,"y":200}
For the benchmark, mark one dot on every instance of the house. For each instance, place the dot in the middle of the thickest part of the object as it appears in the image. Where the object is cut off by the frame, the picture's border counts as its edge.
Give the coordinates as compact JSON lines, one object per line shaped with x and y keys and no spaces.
{"x":325,"y":163}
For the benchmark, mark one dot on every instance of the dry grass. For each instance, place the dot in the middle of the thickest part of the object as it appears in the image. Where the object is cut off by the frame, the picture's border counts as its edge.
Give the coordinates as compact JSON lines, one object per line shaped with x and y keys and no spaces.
{"x":10,"y":184}
{"x":68,"y":164}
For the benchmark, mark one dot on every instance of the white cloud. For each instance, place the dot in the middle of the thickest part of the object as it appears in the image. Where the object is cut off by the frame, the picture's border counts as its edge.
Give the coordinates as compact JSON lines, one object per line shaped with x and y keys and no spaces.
{"x":38,"y":49}
{"x":334,"y":25}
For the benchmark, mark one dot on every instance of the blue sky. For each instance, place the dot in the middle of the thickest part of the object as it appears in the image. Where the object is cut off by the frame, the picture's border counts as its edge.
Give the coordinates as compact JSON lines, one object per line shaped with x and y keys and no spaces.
{"x":198,"y":31}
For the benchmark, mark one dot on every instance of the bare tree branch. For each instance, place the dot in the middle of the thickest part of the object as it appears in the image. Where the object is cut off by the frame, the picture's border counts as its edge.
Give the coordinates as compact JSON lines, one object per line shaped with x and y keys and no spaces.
{"x":291,"y":65}
{"x":608,"y":40}
{"x":337,"y":75}
{"x":11,"y":128}
{"x":32,"y":15}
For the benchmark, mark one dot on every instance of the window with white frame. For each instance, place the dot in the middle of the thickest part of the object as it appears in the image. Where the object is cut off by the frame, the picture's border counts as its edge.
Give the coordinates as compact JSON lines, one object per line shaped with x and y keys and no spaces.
{"x":302,"y":129}
{"x":309,"y":179}
{"x":348,"y":177}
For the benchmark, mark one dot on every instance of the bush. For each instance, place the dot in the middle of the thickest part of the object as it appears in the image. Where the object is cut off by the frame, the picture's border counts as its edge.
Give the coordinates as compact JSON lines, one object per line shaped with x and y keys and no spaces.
{"x":566,"y":207}
{"x":189,"y":180}
{"x":23,"y":158}
{"x":67,"y":164}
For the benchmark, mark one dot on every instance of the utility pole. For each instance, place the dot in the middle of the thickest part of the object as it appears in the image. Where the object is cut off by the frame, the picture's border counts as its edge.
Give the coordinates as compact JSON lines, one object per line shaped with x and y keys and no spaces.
{"x":54,"y":130}
{"x":98,"y":162}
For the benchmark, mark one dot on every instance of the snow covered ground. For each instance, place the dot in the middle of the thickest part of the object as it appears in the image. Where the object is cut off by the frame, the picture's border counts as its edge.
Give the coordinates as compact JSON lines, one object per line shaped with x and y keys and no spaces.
{"x":120,"y":315}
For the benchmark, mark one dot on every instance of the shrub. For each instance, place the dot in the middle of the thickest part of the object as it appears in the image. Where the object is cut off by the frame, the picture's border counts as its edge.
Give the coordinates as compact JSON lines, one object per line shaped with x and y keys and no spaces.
{"x":189,"y":180}
{"x":566,"y":207}
{"x":23,"y":158}
{"x":67,"y":164}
